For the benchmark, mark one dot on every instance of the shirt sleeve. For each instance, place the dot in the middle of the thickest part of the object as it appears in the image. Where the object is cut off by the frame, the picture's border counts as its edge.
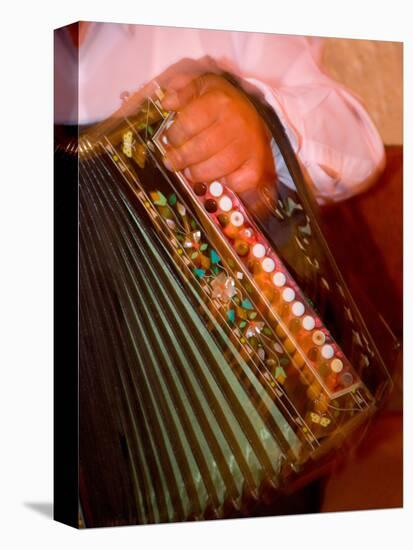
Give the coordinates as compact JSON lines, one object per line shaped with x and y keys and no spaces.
{"x":331,"y":132}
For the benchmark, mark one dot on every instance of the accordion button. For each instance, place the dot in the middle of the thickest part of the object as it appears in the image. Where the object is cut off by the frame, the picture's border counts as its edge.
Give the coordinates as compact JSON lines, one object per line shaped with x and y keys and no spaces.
{"x":237,"y":219}
{"x":327,"y":351}
{"x":346,"y":379}
{"x":308,"y":322}
{"x":258,"y":250}
{"x":288,"y":294}
{"x":298,"y":309}
{"x":230,"y":231}
{"x":225,"y":203}
{"x":241,"y":248}
{"x":216,"y":189}
{"x":200,"y":189}
{"x":337,"y":365}
{"x":211,"y":206}
{"x":247,"y":233}
{"x":268,"y":265}
{"x":279,"y":279}
{"x":223,"y":219}
{"x":319,"y":337}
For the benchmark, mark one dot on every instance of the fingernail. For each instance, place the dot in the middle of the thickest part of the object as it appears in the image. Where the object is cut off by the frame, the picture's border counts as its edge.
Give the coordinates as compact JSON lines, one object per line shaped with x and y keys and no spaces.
{"x":168,"y":164}
{"x":187,"y":173}
{"x":170,"y":101}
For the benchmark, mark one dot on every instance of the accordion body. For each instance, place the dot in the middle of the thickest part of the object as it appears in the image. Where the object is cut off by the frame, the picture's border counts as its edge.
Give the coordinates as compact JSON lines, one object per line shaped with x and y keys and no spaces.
{"x":221,"y":356}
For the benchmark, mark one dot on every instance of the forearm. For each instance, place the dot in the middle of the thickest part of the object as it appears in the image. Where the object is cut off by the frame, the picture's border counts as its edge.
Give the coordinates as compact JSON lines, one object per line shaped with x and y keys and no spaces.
{"x":332,"y":134}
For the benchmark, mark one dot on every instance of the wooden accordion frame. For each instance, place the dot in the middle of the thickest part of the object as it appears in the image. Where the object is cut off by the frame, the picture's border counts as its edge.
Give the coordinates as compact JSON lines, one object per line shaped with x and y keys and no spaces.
{"x":220,"y":351}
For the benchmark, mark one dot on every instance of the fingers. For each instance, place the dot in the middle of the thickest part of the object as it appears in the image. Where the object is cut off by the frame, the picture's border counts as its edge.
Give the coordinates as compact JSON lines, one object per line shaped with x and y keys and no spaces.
{"x":179,"y":81}
{"x":216,"y":134}
{"x":200,"y":148}
{"x":245,"y":178}
{"x":248,"y":183}
{"x":176,"y":99}
{"x":195,"y":117}
{"x":217,"y":166}
{"x":251,"y":175}
{"x":179,"y":94}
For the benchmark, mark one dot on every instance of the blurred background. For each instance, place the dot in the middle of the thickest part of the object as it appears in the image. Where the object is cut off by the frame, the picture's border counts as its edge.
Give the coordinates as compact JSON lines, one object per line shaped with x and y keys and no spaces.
{"x":374,"y":71}
{"x":369,"y":227}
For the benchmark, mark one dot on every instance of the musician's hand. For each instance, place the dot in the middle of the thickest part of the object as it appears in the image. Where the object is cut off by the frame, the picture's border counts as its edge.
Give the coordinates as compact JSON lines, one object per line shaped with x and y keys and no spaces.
{"x":217,"y":134}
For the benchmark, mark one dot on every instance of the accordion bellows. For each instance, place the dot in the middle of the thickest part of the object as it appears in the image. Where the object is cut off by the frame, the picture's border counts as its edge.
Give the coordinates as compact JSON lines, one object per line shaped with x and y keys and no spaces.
{"x":220,"y":352}
{"x":198,"y":431}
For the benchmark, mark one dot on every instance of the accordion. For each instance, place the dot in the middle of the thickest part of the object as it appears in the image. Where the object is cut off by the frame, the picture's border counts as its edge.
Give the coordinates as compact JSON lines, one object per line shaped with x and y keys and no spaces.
{"x":221,"y":355}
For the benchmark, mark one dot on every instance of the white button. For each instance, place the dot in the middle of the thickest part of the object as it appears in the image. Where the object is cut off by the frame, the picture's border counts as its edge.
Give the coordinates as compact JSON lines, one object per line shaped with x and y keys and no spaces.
{"x":327,"y":351}
{"x":279,"y":279}
{"x":298,"y":309}
{"x":319,"y":338}
{"x":288,"y":294}
{"x":225,"y":204}
{"x":336,"y":365}
{"x":308,"y":322}
{"x":268,"y":265}
{"x":237,"y":219}
{"x":258,"y":250}
{"x":216,"y":189}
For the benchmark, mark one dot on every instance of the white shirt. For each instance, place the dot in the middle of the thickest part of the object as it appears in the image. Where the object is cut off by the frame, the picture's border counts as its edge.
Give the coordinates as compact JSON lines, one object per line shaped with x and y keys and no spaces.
{"x":333,"y":135}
